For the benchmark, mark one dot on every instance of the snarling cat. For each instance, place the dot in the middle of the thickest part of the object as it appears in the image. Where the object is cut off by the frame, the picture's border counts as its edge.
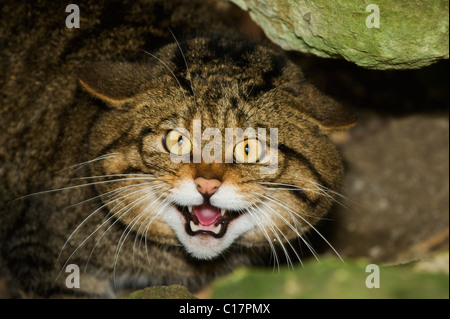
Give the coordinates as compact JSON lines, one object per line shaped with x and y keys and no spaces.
{"x":101,"y":131}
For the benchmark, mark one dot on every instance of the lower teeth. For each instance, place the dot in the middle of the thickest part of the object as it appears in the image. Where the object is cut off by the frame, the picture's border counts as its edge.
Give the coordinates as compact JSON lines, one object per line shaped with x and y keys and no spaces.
{"x":195,"y":228}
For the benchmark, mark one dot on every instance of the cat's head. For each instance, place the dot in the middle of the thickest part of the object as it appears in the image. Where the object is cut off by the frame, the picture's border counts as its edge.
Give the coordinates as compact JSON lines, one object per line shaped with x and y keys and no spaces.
{"x":169,"y":169}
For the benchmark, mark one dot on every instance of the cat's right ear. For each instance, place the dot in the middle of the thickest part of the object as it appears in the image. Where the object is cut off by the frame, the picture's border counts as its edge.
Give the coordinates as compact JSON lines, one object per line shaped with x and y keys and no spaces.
{"x":114,"y":82}
{"x":328,"y":113}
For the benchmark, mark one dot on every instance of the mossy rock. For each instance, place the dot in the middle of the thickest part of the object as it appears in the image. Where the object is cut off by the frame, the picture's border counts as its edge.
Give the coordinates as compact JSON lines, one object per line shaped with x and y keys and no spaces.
{"x":332,"y":279}
{"x":410,"y":34}
{"x":162,"y":292}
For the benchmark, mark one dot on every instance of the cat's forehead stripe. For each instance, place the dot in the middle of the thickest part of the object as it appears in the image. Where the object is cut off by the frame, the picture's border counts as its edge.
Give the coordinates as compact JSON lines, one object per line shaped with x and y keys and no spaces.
{"x":214,"y":63}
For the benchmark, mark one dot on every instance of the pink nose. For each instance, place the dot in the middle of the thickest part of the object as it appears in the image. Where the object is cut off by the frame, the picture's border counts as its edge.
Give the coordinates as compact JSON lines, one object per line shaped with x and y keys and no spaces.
{"x":207,"y":186}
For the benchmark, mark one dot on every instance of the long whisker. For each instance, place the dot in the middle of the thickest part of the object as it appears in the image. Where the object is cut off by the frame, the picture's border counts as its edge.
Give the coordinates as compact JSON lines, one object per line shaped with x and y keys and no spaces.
{"x":136,"y":220}
{"x":120,"y":244}
{"x":128,"y":207}
{"x":304,"y":214}
{"x":255,"y":217}
{"x":319,"y":189}
{"x":293,"y":228}
{"x":304,"y":220}
{"x":99,"y":209}
{"x":185,"y":63}
{"x":92,"y":233}
{"x":122,"y":199}
{"x":112,"y":193}
{"x":165,"y":203}
{"x":136,"y":176}
{"x":76,"y":186}
{"x":168,"y":69}
{"x":128,"y":230}
{"x":327,"y":190}
{"x":275,"y":230}
{"x":81,"y":165}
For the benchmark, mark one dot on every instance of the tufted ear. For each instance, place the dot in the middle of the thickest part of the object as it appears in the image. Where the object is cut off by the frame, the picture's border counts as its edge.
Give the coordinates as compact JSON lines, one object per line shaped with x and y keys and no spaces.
{"x":114,"y":82}
{"x":330,"y":114}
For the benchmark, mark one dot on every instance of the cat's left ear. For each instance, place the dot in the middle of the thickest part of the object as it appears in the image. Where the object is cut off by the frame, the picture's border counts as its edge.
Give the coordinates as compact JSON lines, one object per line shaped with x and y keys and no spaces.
{"x":328,"y":113}
{"x":114,"y":82}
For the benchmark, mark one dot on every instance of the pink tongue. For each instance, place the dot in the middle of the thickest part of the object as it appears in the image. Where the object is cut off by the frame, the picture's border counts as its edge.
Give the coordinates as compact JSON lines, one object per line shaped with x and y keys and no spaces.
{"x":207,"y":214}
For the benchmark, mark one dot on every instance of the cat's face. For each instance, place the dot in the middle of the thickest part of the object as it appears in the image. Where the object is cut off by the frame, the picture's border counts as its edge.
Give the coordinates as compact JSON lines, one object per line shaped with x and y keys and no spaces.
{"x":252,"y":190}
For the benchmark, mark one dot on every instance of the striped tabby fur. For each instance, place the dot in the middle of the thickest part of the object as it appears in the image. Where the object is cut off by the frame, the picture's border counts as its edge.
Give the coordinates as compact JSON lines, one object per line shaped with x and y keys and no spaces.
{"x":86,"y":177}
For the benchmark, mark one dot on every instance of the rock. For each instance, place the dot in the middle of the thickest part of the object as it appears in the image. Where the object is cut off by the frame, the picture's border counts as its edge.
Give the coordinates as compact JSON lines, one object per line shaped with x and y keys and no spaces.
{"x":332,"y":279}
{"x":162,"y":292}
{"x":411,"y":34}
{"x":396,"y":189}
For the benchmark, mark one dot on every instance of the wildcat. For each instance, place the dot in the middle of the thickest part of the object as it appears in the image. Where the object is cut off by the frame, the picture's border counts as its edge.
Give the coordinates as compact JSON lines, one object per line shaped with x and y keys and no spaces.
{"x":92,"y":119}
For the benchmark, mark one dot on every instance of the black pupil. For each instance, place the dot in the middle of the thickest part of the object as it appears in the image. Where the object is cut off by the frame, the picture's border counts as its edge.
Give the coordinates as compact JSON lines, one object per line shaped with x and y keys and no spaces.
{"x":247,"y":149}
{"x":180,"y":140}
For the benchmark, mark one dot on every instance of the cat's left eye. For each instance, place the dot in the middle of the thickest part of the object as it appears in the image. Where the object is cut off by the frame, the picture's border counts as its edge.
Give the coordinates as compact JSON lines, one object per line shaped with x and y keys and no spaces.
{"x":177,"y":143}
{"x":248,"y":151}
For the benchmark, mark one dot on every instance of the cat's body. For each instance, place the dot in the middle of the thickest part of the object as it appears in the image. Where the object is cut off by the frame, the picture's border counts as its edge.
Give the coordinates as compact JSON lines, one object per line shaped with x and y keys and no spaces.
{"x":129,"y":226}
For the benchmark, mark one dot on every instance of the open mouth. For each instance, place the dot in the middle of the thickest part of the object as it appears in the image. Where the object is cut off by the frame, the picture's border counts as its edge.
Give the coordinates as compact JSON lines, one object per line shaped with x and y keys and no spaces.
{"x":207,"y":219}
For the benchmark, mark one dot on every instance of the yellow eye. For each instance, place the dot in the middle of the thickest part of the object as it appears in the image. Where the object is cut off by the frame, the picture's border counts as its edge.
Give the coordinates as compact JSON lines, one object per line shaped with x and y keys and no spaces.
{"x":177,"y":143}
{"x":248,"y":151}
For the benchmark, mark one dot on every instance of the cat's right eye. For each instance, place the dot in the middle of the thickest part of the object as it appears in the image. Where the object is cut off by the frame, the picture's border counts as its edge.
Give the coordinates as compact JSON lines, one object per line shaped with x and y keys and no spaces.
{"x":177,"y":143}
{"x":249,"y":151}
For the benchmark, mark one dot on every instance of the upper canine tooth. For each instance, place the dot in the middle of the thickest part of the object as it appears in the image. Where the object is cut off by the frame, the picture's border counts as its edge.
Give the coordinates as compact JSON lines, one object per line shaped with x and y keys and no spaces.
{"x":189,"y":209}
{"x":222,"y":211}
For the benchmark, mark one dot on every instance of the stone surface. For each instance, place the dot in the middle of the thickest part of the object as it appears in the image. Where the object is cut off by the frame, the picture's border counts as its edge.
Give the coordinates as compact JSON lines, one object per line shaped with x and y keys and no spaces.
{"x":397,"y":186}
{"x":162,"y":292}
{"x":411,"y":34}
{"x":330,"y":278}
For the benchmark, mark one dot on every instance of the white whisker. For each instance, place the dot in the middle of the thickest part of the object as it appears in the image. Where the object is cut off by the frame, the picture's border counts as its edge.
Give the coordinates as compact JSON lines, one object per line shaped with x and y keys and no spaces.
{"x":132,"y":204}
{"x":118,"y":191}
{"x":99,"y":209}
{"x":275,"y":230}
{"x":168,"y":69}
{"x":77,"y":186}
{"x":129,"y":176}
{"x":101,"y":225}
{"x":128,"y":230}
{"x":185,"y":63}
{"x":165,"y":203}
{"x":308,"y":223}
{"x":255,"y":215}
{"x":319,"y":189}
{"x":137,"y":218}
{"x":293,"y":228}
{"x":81,"y":165}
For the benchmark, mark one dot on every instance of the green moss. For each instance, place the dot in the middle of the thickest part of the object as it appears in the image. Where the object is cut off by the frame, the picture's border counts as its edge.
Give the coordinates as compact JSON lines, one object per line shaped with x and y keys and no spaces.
{"x":162,"y":292}
{"x":412,"y":34}
{"x":330,"y":278}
